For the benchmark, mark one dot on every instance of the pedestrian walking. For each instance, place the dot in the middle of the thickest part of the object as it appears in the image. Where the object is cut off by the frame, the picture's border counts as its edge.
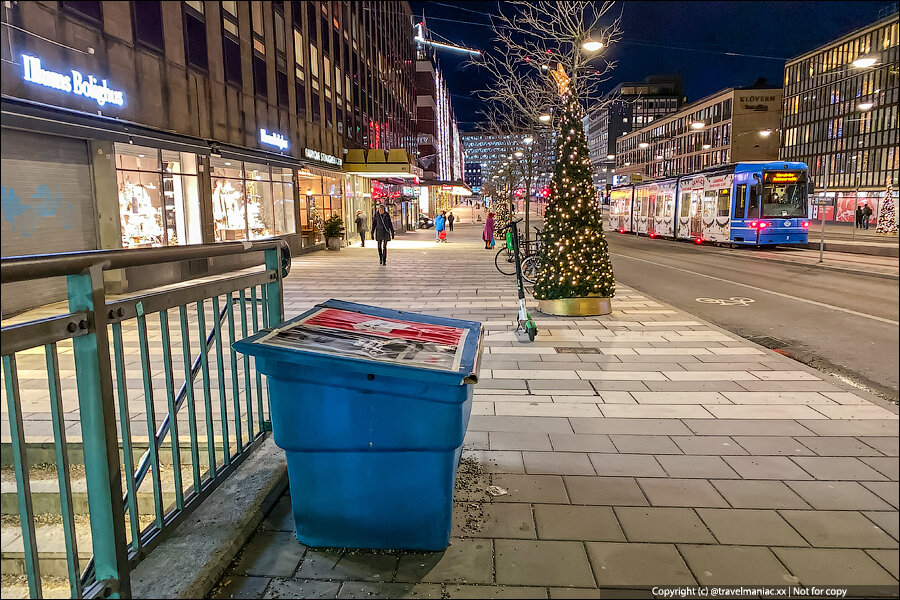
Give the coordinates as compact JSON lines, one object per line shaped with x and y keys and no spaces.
{"x":450,"y":219}
{"x":867,"y":212}
{"x":440,"y":226}
{"x":382,"y":231}
{"x":362,"y":226}
{"x":488,"y":233}
{"x":859,"y":217}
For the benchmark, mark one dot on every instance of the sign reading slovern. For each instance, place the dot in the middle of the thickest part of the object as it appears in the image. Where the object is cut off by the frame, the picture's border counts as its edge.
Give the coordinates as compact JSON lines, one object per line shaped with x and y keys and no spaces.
{"x":73,"y":83}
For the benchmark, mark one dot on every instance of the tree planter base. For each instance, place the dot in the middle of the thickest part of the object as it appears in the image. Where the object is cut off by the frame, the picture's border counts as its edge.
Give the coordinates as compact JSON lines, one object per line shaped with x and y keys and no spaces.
{"x":333,"y":243}
{"x":576,"y":307}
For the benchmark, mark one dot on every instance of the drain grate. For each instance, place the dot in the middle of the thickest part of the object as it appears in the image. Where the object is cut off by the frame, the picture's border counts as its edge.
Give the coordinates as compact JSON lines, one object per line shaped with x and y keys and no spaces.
{"x":767,"y":341}
{"x":568,"y":350}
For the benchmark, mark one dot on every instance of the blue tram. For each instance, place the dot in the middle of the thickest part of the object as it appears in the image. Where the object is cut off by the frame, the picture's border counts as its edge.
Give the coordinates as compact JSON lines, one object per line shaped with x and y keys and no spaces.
{"x":747,"y":203}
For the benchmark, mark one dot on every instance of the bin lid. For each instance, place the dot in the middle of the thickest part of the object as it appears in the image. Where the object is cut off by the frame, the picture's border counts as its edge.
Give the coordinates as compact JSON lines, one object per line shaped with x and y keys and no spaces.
{"x":369,"y":334}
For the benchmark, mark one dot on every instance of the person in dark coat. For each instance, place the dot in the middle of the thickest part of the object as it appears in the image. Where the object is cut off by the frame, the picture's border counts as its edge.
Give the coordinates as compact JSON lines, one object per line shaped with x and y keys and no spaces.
{"x":382,"y":231}
{"x":867,"y":212}
{"x":859,"y":217}
{"x":450,"y":219}
{"x":362,"y":226}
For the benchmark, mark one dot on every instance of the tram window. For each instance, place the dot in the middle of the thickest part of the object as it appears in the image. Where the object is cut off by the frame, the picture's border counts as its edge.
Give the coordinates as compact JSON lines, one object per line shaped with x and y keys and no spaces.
{"x":724,"y":203}
{"x":753,"y":212}
{"x":740,"y":201}
{"x":685,"y":204}
{"x":709,"y":204}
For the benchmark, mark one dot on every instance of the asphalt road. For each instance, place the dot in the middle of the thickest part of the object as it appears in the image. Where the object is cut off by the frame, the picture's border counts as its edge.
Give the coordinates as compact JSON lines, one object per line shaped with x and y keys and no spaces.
{"x":839,"y":322}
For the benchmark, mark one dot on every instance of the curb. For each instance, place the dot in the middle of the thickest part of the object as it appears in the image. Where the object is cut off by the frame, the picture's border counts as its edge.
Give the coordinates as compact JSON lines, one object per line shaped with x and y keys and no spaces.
{"x":830,"y":268}
{"x":869,"y":250}
{"x":193,"y":559}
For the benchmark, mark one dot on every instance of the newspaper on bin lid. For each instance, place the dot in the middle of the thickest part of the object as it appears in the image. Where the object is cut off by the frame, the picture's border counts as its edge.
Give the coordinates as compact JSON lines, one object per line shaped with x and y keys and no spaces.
{"x":365,"y":333}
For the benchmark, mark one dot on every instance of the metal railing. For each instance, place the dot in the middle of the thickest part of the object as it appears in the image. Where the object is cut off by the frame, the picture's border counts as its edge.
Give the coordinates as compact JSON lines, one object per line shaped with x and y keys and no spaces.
{"x":109,"y":338}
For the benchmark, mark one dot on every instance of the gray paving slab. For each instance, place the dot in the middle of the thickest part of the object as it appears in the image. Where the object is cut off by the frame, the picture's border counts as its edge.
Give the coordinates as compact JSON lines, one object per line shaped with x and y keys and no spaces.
{"x":644,"y":444}
{"x":758,"y":494}
{"x":749,"y":527}
{"x":888,"y":559}
{"x":773,"y":445}
{"x":708,"y":445}
{"x":704,"y":467}
{"x":573,"y":522}
{"x":524,"y":424}
{"x":557,"y":463}
{"x":629,"y":426}
{"x":368,"y":590}
{"x":838,"y":468}
{"x":515,"y":440}
{"x":301,"y":588}
{"x":626,"y":465}
{"x":669,"y":525}
{"x":887,"y":491}
{"x":889,"y":466}
{"x":530,"y":488}
{"x":542,"y":562}
{"x":498,"y":461}
{"x":605,"y":491}
{"x":492,"y":592}
{"x":681,"y":492}
{"x":838,"y":446}
{"x":464,"y":560}
{"x":237,"y":586}
{"x":736,"y":566}
{"x":820,"y":567}
{"x":734,"y":427}
{"x":888,"y":521}
{"x":501,"y":520}
{"x":854,"y":427}
{"x":837,"y":495}
{"x":766,"y":467}
{"x":270,"y":554}
{"x":635,"y":564}
{"x":838,"y":529}
{"x":885,"y":445}
{"x":581,"y":442}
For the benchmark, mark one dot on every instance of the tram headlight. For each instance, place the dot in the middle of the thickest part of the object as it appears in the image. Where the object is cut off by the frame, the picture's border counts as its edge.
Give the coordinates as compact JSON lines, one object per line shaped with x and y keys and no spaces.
{"x":805,"y":224}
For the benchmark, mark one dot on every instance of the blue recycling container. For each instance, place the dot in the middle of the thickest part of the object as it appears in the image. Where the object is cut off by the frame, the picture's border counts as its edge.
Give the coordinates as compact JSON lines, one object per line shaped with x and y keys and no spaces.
{"x":371,"y":406}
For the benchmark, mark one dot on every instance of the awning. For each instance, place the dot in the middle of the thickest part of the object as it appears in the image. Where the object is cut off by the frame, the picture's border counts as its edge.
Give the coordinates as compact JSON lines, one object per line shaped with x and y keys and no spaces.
{"x":381,"y":164}
{"x":456,"y":187}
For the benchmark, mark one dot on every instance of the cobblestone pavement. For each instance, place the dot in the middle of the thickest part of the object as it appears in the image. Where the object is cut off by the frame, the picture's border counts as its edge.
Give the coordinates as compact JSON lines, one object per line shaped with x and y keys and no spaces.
{"x":641,"y":448}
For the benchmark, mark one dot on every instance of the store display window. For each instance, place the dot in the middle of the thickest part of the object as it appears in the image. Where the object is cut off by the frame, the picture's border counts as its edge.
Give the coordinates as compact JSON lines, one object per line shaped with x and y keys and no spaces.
{"x":251,"y":200}
{"x":158,"y":197}
{"x":321,"y":196}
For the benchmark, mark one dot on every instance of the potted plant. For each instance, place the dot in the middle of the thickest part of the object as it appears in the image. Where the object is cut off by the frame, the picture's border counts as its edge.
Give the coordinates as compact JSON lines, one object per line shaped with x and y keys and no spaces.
{"x":334,"y":232}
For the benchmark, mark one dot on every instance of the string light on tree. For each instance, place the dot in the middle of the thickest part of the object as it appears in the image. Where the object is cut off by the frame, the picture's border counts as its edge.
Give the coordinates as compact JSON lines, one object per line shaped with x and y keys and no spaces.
{"x":575,"y":261}
{"x":887,"y":219}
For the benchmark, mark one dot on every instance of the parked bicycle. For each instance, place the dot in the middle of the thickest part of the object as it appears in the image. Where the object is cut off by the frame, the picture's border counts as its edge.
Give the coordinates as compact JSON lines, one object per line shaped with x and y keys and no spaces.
{"x":529,"y":256}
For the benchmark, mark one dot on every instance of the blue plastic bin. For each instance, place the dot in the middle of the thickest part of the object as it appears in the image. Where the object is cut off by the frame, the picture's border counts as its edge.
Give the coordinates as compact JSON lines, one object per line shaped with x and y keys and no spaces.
{"x":371,"y":406}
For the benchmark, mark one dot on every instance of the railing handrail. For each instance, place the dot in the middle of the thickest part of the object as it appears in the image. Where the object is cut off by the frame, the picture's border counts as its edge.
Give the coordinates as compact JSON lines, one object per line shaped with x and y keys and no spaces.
{"x":38,"y":266}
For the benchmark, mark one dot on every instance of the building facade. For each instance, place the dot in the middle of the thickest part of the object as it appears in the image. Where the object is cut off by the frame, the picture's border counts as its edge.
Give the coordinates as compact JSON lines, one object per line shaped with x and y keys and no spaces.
{"x":136,"y":124}
{"x":628,"y":106}
{"x":473,"y":176}
{"x":440,"y":148}
{"x":841,"y":116}
{"x":736,"y":124}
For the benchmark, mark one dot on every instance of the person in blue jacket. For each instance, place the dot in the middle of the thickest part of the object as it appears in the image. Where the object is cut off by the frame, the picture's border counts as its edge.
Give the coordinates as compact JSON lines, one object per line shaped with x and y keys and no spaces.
{"x":440,"y":224}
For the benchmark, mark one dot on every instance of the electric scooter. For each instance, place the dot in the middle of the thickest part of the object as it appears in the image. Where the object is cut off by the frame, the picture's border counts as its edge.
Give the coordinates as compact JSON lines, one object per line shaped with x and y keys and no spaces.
{"x":525,"y":322}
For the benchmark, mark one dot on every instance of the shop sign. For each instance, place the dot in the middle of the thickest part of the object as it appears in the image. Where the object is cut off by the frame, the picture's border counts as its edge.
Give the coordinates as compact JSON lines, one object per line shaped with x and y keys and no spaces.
{"x":74,"y":83}
{"x":322,"y":157}
{"x":446,"y":188}
{"x":273,"y":138}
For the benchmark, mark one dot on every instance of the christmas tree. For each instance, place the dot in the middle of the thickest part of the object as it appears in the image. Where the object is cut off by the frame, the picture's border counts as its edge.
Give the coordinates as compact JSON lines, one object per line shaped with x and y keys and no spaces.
{"x":575,"y":258}
{"x":502,"y":213}
{"x":887,"y":219}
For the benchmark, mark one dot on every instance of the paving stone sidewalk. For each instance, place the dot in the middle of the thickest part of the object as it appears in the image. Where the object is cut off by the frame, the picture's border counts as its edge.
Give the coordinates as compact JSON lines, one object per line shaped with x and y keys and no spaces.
{"x":641,"y":448}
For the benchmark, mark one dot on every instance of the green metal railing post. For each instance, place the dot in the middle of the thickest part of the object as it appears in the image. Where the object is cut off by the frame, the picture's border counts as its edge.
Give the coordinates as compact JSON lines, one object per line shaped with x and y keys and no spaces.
{"x":273,"y":303}
{"x":99,"y":436}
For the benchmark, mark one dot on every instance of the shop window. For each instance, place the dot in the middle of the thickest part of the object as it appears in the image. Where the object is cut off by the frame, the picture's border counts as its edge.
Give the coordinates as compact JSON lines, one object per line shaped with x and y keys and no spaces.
{"x":159,"y":200}
{"x":251,"y":201}
{"x":195,"y":50}
{"x":148,"y":27}
{"x":88,"y":11}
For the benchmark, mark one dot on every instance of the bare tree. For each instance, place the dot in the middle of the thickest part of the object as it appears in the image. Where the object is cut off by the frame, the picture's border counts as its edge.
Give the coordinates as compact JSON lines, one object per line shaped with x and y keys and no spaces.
{"x":532,"y":40}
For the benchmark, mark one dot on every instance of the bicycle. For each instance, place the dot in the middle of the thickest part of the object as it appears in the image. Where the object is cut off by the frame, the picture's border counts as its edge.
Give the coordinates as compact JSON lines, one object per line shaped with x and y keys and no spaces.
{"x":529,"y":258}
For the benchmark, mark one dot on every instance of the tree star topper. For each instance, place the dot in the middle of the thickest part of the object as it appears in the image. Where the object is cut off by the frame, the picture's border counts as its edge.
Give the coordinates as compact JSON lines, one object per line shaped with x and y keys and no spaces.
{"x":562,"y":80}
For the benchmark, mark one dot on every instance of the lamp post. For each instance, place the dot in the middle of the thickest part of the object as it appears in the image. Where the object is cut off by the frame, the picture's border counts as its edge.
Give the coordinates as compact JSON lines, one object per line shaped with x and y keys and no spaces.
{"x":822,"y":210}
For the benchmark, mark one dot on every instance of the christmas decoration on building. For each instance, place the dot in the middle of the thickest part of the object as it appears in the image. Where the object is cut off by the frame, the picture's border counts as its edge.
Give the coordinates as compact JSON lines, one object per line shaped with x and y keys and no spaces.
{"x":575,"y":260}
{"x":141,"y":221}
{"x":887,"y":218}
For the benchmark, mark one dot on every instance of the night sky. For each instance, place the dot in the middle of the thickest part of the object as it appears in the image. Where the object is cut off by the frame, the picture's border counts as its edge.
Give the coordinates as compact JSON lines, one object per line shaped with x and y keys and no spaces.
{"x":696,"y":36}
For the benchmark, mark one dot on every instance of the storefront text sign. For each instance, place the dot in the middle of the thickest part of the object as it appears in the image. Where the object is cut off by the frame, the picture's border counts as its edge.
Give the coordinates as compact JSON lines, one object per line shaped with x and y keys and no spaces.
{"x":322,"y":157}
{"x":273,"y":138}
{"x":73,"y":83}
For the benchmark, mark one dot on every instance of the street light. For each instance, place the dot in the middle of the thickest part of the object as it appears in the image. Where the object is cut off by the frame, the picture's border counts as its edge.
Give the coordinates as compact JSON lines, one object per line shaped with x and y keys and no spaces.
{"x":698,"y":125}
{"x":643,"y":145}
{"x":865,"y":106}
{"x":864,"y":62}
{"x":544,"y":118}
{"x":765,"y":133}
{"x":592,"y":45}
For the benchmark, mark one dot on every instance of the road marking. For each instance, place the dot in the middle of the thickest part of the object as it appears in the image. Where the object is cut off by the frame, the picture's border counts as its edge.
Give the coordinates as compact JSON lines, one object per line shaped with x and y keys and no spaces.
{"x":733,"y":301}
{"x":759,"y":289}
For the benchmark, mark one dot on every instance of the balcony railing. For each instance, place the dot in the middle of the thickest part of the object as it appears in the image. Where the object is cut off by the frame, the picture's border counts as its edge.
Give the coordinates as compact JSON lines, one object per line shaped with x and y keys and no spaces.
{"x":103,"y":371}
